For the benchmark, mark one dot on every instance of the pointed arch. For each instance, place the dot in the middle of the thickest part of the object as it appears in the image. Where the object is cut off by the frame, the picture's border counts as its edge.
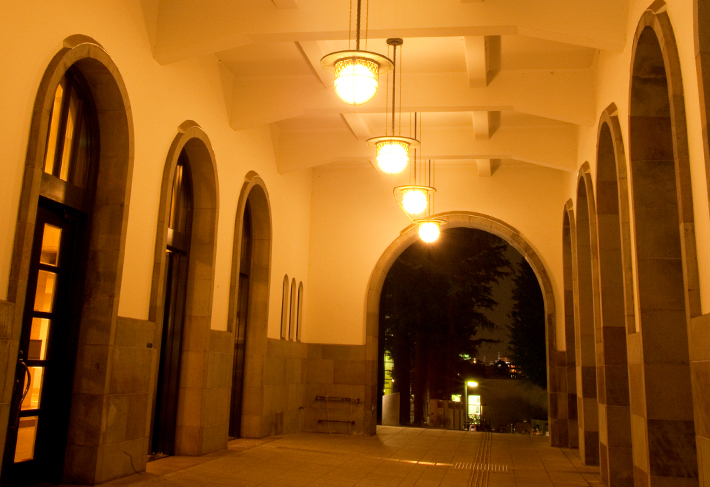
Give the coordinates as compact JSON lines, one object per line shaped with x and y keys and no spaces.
{"x":614,"y":303}
{"x":665,"y":257}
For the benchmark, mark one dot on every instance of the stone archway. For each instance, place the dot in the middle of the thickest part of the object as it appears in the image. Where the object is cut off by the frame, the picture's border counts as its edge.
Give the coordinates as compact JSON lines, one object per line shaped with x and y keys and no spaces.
{"x":569,"y":270}
{"x":453,"y":219}
{"x":614,"y":303}
{"x":661,"y":397}
{"x":87,"y":438}
{"x":253,"y":415}
{"x":193,"y":418}
{"x":585,"y":354}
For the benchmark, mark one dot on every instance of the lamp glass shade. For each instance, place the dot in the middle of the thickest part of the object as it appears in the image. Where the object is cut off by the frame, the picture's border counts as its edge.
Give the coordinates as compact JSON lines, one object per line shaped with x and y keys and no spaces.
{"x":429,"y":231}
{"x":414,"y":201}
{"x":356,"y":80}
{"x":392,"y":156}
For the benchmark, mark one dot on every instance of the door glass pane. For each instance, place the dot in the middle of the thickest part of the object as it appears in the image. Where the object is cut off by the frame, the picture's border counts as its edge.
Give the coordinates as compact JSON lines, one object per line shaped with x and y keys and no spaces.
{"x":46,"y":284}
{"x":50,"y":245}
{"x":73,"y":115}
{"x":32,"y":398}
{"x":38,"y":339}
{"x":54,"y":129}
{"x":26,"y":434}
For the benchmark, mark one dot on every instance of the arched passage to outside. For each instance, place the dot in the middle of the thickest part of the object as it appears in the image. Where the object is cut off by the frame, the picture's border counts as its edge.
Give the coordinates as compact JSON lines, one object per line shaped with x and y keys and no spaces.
{"x":379,"y":273}
{"x":193,"y":144}
{"x":249,"y":307}
{"x":662,"y":424}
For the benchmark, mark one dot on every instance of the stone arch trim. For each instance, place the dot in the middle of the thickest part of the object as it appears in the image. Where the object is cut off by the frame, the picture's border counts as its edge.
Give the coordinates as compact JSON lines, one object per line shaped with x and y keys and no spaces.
{"x":611,"y":320}
{"x":610,"y":119}
{"x":701,"y":25}
{"x":106,"y":233}
{"x":189,"y":435}
{"x":406,"y":238}
{"x":656,"y":18}
{"x":254,"y":191}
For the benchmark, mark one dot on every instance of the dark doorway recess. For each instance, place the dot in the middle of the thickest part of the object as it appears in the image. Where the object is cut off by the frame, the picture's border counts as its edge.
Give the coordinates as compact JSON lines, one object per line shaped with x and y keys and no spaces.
{"x":176,"y":275}
{"x":235,"y":415}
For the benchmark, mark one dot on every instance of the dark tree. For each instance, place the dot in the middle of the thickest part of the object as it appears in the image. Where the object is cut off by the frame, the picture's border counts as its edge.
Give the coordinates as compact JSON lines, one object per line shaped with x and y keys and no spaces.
{"x":527,"y":327}
{"x":433,"y":304}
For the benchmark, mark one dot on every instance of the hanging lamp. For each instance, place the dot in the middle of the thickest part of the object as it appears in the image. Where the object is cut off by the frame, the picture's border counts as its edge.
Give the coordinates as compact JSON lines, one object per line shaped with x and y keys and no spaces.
{"x":414,"y":197}
{"x":418,"y":196}
{"x":356,"y":72}
{"x":392,"y":151}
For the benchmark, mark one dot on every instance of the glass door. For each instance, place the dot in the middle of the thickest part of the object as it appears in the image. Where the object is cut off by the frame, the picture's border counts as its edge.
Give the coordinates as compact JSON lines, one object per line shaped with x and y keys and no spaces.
{"x":43,"y":379}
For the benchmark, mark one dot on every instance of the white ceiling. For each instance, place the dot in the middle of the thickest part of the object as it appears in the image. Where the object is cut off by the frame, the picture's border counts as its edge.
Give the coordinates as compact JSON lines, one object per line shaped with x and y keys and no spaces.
{"x":504,"y":79}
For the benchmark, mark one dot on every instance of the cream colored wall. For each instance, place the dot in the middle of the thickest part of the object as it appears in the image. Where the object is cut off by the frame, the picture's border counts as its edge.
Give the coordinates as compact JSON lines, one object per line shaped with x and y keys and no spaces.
{"x":355,"y":218}
{"x":612,"y":86}
{"x":162,"y":97}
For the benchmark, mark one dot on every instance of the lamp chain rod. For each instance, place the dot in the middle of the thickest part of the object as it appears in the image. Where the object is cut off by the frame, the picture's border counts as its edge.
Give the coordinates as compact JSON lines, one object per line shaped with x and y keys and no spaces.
{"x":350,"y":24}
{"x":394,"y":84}
{"x":415,"y":151}
{"x":387,"y":92}
{"x":357,"y":26}
{"x":401,"y":57}
{"x":367,"y":20}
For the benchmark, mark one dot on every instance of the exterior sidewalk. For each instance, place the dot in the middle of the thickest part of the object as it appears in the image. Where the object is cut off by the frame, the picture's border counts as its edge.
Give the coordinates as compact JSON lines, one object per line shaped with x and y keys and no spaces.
{"x":397,"y":456}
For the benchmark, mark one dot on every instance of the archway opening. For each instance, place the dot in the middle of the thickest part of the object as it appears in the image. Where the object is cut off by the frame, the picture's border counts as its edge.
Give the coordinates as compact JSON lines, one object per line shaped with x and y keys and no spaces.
{"x":439,"y":317}
{"x":664,"y":238}
{"x":585,"y":354}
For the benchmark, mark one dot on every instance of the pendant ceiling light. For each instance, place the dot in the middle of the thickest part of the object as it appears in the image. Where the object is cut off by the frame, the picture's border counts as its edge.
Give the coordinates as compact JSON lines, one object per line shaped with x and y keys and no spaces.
{"x":356,"y":71}
{"x":392,"y":151}
{"x":418,"y":197}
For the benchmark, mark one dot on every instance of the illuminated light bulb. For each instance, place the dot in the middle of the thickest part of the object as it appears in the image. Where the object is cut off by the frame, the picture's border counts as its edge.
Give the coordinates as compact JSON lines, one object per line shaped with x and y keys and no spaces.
{"x":414,"y":201}
{"x":392,"y":156}
{"x":356,"y":80}
{"x":429,"y":231}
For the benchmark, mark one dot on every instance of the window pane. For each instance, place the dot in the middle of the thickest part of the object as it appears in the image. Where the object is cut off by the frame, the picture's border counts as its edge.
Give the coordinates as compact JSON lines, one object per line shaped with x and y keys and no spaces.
{"x":33,"y":395}
{"x":50,"y":245}
{"x":26,"y":434}
{"x":73,"y":115}
{"x":82,"y":149}
{"x":44,"y":298}
{"x":38,"y":339}
{"x":54,"y":129}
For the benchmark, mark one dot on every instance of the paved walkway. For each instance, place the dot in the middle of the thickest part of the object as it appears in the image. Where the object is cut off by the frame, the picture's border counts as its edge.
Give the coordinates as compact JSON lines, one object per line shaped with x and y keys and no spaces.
{"x":395,"y":457}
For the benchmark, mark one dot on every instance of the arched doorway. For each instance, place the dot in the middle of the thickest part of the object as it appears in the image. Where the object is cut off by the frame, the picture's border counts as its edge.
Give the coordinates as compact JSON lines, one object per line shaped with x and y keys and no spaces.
{"x":587,"y":413}
{"x":174,"y":275}
{"x":177,"y":260}
{"x":665,"y":259}
{"x":249,"y":308}
{"x":74,"y":202}
{"x":379,"y":273}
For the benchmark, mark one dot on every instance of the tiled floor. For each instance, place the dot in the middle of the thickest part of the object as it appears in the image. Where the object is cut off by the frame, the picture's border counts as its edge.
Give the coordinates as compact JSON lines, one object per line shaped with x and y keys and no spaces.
{"x":395,"y":457}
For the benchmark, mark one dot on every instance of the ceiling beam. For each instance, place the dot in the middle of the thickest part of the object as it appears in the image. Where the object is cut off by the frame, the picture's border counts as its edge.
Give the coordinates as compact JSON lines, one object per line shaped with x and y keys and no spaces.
{"x":314,"y":52}
{"x":477,"y":65}
{"x":185,"y":28}
{"x":486,"y":167}
{"x":566,"y":95}
{"x":481,"y":125}
{"x":358,"y":125}
{"x":554,"y":146}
